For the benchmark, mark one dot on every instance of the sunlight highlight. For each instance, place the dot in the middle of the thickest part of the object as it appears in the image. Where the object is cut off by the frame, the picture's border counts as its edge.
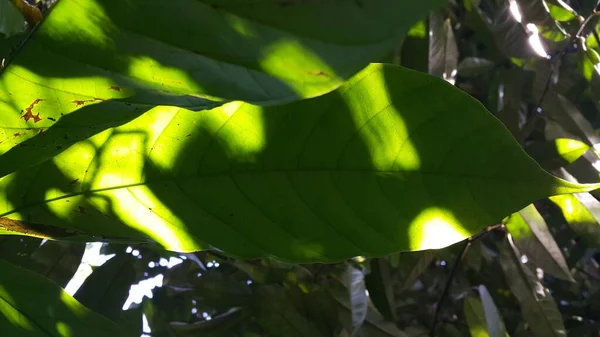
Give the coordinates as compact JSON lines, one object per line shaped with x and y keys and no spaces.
{"x":435,"y":228}
{"x":534,"y":40}
{"x":390,"y":148}
{"x":139,"y":209}
{"x":515,"y":11}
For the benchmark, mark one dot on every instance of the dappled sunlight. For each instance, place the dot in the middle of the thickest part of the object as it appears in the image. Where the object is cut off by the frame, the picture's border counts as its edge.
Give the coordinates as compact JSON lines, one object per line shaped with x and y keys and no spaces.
{"x":63,"y":329}
{"x":138,"y":208}
{"x":304,"y":68}
{"x":570,"y":149}
{"x":97,"y":29}
{"x":162,"y":77}
{"x":236,"y":127}
{"x":435,"y":228}
{"x":391,"y":147}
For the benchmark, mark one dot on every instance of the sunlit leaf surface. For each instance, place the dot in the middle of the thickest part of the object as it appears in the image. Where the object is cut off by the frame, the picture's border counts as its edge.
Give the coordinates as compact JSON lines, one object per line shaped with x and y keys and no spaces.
{"x":116,"y":59}
{"x":372,"y":168}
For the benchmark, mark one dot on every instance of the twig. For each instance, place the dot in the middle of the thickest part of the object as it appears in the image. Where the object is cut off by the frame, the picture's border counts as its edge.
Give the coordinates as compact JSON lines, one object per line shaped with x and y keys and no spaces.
{"x":454,"y":270}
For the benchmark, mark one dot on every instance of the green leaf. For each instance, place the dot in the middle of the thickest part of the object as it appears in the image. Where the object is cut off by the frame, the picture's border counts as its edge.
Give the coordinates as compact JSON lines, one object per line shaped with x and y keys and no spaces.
{"x":56,"y":260}
{"x":443,"y":51}
{"x":475,"y":317}
{"x":31,"y":305}
{"x":120,"y":58}
{"x":557,"y":153}
{"x":106,"y":289}
{"x":373,"y":168}
{"x":494,"y":322}
{"x":582,"y":212}
{"x":559,"y":13}
{"x":537,"y":305}
{"x":533,"y":237}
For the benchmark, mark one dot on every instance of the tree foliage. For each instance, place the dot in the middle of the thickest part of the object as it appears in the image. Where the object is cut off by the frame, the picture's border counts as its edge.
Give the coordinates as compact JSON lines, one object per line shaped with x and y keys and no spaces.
{"x":300,"y":168}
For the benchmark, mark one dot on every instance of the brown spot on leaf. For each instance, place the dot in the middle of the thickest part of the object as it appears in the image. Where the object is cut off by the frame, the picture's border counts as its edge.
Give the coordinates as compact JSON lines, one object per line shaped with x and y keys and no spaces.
{"x":79,"y":102}
{"x":16,"y":134}
{"x":29,"y":112}
{"x":115,"y":88}
{"x":320,"y":73}
{"x":82,"y":210}
{"x":74,"y":181}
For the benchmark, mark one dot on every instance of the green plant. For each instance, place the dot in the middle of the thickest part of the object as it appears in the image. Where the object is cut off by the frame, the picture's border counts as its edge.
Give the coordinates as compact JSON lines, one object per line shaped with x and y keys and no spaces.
{"x":258,"y":135}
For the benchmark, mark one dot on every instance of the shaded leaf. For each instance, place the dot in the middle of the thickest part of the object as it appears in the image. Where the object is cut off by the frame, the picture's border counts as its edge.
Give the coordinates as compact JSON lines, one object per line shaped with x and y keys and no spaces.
{"x":11,"y":20}
{"x":283,"y":181}
{"x":494,"y":322}
{"x":380,"y":286}
{"x":533,"y":237}
{"x":374,"y":325}
{"x":443,"y":51}
{"x":17,"y":249}
{"x":31,"y":305}
{"x":57,"y":260}
{"x":109,"y":65}
{"x":418,"y":262}
{"x":278,"y":317}
{"x":106,"y":289}
{"x":474,"y":66}
{"x":560,"y":110}
{"x":475,"y":317}
{"x":357,"y":291}
{"x":537,"y":305}
{"x":582,"y":212}
{"x":557,"y":153}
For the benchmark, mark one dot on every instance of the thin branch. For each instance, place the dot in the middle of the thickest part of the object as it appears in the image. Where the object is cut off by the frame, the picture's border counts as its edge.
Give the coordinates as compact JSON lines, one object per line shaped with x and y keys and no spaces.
{"x":454,"y":270}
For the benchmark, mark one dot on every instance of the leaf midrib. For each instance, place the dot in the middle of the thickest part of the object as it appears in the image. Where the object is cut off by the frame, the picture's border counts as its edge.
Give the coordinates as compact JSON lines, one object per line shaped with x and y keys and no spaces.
{"x":523,"y":181}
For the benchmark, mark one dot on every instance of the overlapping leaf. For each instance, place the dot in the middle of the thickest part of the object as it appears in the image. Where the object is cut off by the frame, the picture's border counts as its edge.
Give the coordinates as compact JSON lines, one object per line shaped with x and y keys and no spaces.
{"x":31,"y":305}
{"x":116,"y":59}
{"x":354,"y":172}
{"x":533,"y":237}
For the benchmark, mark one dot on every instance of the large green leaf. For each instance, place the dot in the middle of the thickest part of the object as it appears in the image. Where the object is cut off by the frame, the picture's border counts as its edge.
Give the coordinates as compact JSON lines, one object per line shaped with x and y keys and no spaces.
{"x":31,"y":305}
{"x":375,"y":167}
{"x":80,"y":74}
